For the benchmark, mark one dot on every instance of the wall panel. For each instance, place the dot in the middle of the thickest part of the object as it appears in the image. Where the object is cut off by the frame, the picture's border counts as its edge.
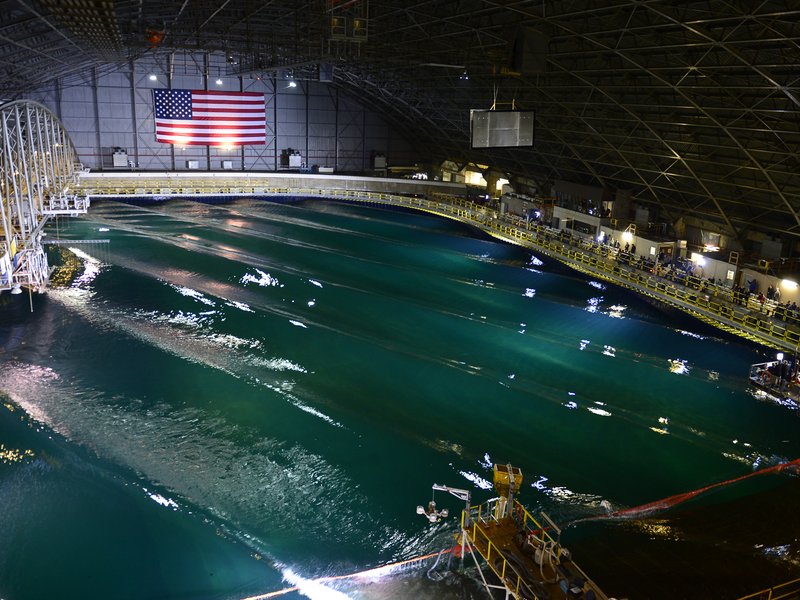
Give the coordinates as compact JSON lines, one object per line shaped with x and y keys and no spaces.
{"x":114,"y":109}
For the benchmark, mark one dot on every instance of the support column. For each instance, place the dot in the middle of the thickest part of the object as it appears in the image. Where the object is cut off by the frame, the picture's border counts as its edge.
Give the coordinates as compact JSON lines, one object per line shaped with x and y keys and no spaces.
{"x":133,"y":115}
{"x":336,"y":132}
{"x":363,"y":139}
{"x":96,"y":119}
{"x":308,"y":162}
{"x":205,"y":87}
{"x":275,"y":117}
{"x":170,"y":68}
{"x":491,"y":178}
{"x":241,"y":146}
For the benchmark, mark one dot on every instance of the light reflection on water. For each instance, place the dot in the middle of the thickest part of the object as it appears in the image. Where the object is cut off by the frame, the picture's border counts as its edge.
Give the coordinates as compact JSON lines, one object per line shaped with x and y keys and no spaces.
{"x":15,"y":455}
{"x":163,"y":443}
{"x":313,"y":443}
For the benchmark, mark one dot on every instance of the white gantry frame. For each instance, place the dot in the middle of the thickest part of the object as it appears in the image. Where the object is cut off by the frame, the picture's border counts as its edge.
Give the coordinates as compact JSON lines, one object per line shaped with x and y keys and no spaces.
{"x":38,"y":166}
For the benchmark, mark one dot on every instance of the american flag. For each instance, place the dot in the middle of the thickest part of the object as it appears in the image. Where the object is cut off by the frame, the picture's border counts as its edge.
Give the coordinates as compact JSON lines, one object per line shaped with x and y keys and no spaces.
{"x":209,"y":118}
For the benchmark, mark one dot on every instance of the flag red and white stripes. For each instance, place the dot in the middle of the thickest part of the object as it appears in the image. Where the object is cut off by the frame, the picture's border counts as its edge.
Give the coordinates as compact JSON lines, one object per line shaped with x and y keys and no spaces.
{"x":212,"y":118}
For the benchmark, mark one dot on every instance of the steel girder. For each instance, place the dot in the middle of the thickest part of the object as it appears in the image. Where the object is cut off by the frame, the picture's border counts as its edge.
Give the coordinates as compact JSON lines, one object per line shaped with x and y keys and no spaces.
{"x":691,"y":105}
{"x":37,"y":167}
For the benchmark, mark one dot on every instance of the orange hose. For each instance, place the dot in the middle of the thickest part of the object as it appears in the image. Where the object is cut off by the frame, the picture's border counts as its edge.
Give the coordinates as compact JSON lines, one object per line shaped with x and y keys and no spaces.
{"x":670,"y":501}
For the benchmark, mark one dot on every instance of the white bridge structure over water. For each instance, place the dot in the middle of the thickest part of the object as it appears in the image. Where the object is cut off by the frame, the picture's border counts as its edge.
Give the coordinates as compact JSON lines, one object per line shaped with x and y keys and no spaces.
{"x":38,"y":172}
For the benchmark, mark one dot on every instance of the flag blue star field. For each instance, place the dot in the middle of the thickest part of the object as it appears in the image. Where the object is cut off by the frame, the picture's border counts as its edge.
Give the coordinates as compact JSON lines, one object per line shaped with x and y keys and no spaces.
{"x":210,"y":118}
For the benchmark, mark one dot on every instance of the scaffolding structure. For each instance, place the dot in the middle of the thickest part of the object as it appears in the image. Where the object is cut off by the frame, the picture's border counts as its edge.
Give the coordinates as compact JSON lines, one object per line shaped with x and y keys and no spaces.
{"x":38,"y":168}
{"x":522,"y":557}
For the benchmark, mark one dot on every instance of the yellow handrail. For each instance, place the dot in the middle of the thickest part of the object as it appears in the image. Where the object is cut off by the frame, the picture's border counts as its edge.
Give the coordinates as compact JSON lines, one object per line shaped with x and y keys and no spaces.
{"x":790,"y":589}
{"x":595,"y":260}
{"x":479,"y":539}
{"x":476,"y":534}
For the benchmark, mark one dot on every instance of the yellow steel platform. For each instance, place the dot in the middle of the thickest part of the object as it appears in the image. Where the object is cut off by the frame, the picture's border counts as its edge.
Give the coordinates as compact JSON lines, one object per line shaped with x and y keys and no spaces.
{"x":523,"y":555}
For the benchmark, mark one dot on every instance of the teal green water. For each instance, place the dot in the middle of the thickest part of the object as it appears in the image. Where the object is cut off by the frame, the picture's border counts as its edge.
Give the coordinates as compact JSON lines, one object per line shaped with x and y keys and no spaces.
{"x":245,"y":394}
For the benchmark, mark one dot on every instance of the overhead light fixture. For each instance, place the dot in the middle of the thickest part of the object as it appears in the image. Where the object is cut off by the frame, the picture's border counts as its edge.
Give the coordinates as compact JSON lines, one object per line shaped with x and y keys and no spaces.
{"x":219,"y":81}
{"x":698,"y":259}
{"x":292,"y":83}
{"x":789,"y":284}
{"x":464,"y":76}
{"x":153,"y":77}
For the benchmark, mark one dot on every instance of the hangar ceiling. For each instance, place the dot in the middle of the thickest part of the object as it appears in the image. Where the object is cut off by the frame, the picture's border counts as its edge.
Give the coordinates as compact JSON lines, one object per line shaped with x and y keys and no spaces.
{"x":693,"y":106}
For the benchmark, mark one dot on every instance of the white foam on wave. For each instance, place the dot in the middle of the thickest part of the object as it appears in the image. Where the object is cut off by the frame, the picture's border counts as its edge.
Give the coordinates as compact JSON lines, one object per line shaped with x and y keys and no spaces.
{"x":297,"y":403}
{"x":27,"y":379}
{"x":240,"y":305}
{"x":206,"y":350}
{"x":277,"y":364}
{"x":313,"y":411}
{"x":263,"y":279}
{"x":190,"y":293}
{"x":159,"y":499}
{"x":201,"y":456}
{"x":232,"y":341}
{"x":564,"y":494}
{"x":188,"y":319}
{"x":476,"y":479}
